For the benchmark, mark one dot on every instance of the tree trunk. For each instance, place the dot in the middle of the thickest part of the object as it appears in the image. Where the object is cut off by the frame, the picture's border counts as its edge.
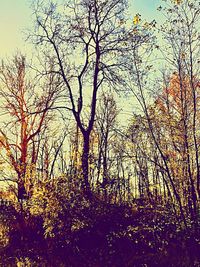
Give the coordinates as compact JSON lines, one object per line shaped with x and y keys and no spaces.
{"x":21,"y":193}
{"x":85,"y":164}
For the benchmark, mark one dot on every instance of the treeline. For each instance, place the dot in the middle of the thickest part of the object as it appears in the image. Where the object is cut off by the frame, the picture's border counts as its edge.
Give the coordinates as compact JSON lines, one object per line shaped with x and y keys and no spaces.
{"x":69,"y":155}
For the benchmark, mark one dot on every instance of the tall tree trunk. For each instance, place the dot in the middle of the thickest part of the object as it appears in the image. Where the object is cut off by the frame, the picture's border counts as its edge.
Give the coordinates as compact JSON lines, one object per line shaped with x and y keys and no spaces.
{"x":22,"y":194}
{"x":85,"y":163}
{"x":21,"y":191}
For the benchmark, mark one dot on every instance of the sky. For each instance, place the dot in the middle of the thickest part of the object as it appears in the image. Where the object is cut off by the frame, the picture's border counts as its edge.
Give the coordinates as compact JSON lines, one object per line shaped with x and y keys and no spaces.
{"x":147,"y":8}
{"x":15,"y":17}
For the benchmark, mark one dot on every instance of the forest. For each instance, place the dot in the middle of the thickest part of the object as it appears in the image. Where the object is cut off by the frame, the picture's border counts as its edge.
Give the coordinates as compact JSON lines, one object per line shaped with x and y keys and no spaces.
{"x":100,"y":138}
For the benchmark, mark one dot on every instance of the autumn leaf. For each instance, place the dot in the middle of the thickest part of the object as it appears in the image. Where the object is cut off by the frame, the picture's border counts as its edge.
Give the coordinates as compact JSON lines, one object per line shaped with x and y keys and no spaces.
{"x":136,"y":19}
{"x":183,"y":55}
{"x":177,"y":2}
{"x":146,"y":25}
{"x":121,"y":22}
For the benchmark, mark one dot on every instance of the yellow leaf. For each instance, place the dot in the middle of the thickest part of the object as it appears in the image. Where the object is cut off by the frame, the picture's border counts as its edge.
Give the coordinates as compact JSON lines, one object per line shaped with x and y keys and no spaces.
{"x":136,"y":19}
{"x":146,"y":25}
{"x":183,"y":55}
{"x":178,"y":2}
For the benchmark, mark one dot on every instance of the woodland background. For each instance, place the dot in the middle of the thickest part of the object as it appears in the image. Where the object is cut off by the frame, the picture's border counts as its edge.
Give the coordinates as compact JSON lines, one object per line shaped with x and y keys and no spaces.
{"x":82,"y":182}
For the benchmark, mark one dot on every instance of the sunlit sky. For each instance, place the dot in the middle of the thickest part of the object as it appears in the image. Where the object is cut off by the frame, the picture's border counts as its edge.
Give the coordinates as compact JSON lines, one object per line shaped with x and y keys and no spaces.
{"x":15,"y":17}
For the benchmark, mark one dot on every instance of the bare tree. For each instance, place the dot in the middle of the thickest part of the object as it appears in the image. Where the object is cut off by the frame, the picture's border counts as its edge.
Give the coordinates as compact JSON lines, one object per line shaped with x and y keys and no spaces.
{"x":85,"y":40}
{"x":105,"y":122}
{"x":180,"y":53}
{"x":25,"y":105}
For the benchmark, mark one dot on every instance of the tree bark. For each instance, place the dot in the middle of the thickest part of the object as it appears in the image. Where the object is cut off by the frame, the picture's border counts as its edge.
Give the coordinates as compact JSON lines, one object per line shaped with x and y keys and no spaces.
{"x":85,"y":164}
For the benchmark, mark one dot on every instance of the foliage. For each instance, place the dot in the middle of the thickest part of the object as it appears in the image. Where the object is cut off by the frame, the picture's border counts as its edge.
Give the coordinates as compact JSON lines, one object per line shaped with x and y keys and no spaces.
{"x":60,"y":206}
{"x":84,"y":186}
{"x":115,"y":235}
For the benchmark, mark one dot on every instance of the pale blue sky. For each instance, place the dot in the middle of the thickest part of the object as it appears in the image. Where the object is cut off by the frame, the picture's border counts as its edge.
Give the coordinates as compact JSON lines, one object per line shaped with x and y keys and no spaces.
{"x":15,"y":15}
{"x":147,"y":8}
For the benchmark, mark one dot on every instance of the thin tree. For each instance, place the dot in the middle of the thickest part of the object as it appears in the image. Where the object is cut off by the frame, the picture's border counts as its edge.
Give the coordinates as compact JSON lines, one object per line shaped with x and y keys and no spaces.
{"x":85,"y":40}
